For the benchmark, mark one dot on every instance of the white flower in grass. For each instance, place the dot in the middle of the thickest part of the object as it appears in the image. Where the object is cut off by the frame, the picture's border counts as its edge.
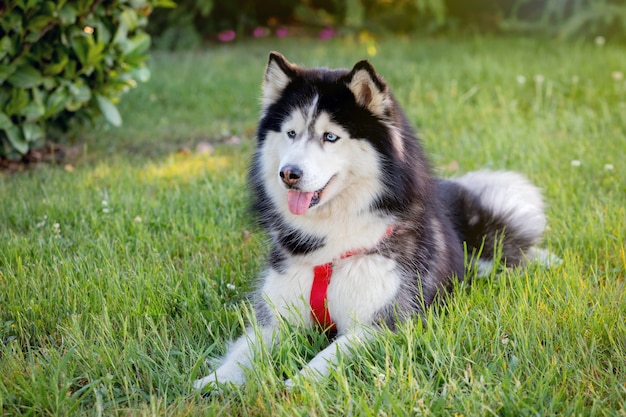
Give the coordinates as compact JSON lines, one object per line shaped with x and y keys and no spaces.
{"x":617,"y":75}
{"x":576,"y":163}
{"x":379,"y":380}
{"x":521,"y":80}
{"x":600,"y":40}
{"x":449,"y":388}
{"x":105,"y":206}
{"x":609,"y":167}
{"x":231,"y":287}
{"x":56,"y":229}
{"x":539,"y":79}
{"x":42,"y":223}
{"x":421,"y":409}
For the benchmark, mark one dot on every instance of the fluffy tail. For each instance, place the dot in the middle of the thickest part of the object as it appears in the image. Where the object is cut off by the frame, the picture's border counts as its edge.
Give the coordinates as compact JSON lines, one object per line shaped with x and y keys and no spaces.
{"x":500,"y":213}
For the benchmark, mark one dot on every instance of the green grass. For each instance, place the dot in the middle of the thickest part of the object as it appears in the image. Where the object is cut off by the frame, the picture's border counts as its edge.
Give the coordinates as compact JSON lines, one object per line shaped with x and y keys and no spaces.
{"x":122,"y":273}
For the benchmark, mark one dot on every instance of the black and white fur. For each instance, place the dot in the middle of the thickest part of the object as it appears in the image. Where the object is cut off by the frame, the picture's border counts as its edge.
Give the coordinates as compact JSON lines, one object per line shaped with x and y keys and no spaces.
{"x":337,"y":165}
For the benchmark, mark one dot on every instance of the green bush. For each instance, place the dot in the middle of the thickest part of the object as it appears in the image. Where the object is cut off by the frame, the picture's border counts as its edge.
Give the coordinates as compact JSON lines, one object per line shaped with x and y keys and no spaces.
{"x":566,"y":18}
{"x":176,"y":29}
{"x":64,"y":63}
{"x":193,"y":21}
{"x":196,"y":20}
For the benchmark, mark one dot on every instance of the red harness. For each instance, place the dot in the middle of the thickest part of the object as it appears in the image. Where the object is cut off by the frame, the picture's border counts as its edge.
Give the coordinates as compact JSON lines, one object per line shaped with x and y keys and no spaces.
{"x":319,"y":291}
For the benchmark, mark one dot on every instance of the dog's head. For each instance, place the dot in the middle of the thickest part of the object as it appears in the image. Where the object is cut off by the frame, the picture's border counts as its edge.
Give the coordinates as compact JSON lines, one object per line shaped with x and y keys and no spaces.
{"x":324,"y":136}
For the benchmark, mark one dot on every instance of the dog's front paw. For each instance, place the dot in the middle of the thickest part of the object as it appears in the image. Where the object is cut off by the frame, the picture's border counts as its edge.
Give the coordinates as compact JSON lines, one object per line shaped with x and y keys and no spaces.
{"x":303,"y":378}
{"x":222,"y":377}
{"x":211,"y":385}
{"x":289,"y":384}
{"x":210,"y":381}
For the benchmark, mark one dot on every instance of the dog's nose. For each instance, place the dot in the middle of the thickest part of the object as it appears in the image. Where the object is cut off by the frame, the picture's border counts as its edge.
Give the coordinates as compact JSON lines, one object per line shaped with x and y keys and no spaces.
{"x":290,"y":174}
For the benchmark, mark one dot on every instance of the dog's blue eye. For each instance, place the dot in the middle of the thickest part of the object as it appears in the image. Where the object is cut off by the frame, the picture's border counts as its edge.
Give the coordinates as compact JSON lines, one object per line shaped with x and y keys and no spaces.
{"x":330,"y":137}
{"x":291,"y":134}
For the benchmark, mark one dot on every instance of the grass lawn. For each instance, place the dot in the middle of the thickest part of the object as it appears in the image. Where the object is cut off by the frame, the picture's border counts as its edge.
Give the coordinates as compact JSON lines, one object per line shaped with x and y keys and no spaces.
{"x":124,"y":270}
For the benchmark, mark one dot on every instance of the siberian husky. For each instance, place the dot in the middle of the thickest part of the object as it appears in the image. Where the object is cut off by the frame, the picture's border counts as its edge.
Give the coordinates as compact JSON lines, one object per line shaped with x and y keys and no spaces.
{"x":362,"y":234}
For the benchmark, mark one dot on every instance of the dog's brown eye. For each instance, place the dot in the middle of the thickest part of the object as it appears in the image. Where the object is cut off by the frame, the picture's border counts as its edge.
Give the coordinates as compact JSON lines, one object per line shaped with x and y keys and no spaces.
{"x":291,"y":134}
{"x":330,"y":137}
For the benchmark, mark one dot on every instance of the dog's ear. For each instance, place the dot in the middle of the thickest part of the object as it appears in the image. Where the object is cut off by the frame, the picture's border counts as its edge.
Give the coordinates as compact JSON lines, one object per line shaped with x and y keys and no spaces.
{"x":278,"y":75}
{"x":369,"y":90}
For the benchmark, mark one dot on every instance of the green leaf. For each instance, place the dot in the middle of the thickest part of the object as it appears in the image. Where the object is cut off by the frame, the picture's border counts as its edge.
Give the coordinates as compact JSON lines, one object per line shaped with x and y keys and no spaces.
{"x":32,"y":132}
{"x":56,"y":101}
{"x":33,"y":110}
{"x":141,"y":74}
{"x":109,"y":110}
{"x":49,"y":83}
{"x":128,"y":18}
{"x":6,"y":71}
{"x":16,"y":139}
{"x":121,"y":34}
{"x":25,"y":76}
{"x":89,"y":52}
{"x":128,"y":23}
{"x":37,"y":23}
{"x":103,"y":34}
{"x":137,"y":45}
{"x":13,"y":21}
{"x":170,"y":4}
{"x":80,"y":95}
{"x":56,"y":67}
{"x":204,"y":7}
{"x":19,"y":99}
{"x":70,"y":70}
{"x":38,"y":96}
{"x":80,"y":45}
{"x":5,"y":121}
{"x":73,"y":105}
{"x":67,"y":14}
{"x":80,"y":91}
{"x":48,"y":7}
{"x":6,"y":47}
{"x":95,"y":53}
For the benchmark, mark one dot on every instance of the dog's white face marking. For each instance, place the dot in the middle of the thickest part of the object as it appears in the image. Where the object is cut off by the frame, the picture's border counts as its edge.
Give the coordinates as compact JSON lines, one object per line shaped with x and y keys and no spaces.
{"x":329,"y":163}
{"x":321,"y":161}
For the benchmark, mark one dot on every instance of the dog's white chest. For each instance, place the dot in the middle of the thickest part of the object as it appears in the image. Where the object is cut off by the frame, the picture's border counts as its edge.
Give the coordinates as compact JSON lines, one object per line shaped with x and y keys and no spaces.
{"x":360,"y":286}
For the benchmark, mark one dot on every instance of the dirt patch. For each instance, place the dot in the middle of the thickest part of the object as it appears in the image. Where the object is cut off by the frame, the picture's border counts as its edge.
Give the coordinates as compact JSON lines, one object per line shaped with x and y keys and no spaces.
{"x":50,"y":153}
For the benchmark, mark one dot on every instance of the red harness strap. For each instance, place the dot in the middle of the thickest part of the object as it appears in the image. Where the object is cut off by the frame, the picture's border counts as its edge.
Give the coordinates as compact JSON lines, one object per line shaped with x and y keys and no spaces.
{"x":319,"y":291}
{"x":319,"y":296}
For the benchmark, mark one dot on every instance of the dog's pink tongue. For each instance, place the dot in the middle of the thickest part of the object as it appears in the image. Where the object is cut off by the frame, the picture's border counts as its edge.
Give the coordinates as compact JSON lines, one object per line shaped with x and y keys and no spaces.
{"x":298,"y":201}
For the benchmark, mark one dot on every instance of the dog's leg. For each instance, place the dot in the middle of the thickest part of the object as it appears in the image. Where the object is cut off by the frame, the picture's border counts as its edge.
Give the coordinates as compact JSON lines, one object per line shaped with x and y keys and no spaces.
{"x":320,"y":366}
{"x":232,"y":369}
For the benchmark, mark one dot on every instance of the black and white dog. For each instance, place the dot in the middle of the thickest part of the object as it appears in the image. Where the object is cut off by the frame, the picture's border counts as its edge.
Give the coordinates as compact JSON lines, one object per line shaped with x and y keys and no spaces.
{"x":362,"y":234}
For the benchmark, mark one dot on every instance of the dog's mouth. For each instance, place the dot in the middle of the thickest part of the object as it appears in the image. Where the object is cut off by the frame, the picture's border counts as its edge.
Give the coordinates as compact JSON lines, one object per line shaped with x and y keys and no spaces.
{"x":300,"y":201}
